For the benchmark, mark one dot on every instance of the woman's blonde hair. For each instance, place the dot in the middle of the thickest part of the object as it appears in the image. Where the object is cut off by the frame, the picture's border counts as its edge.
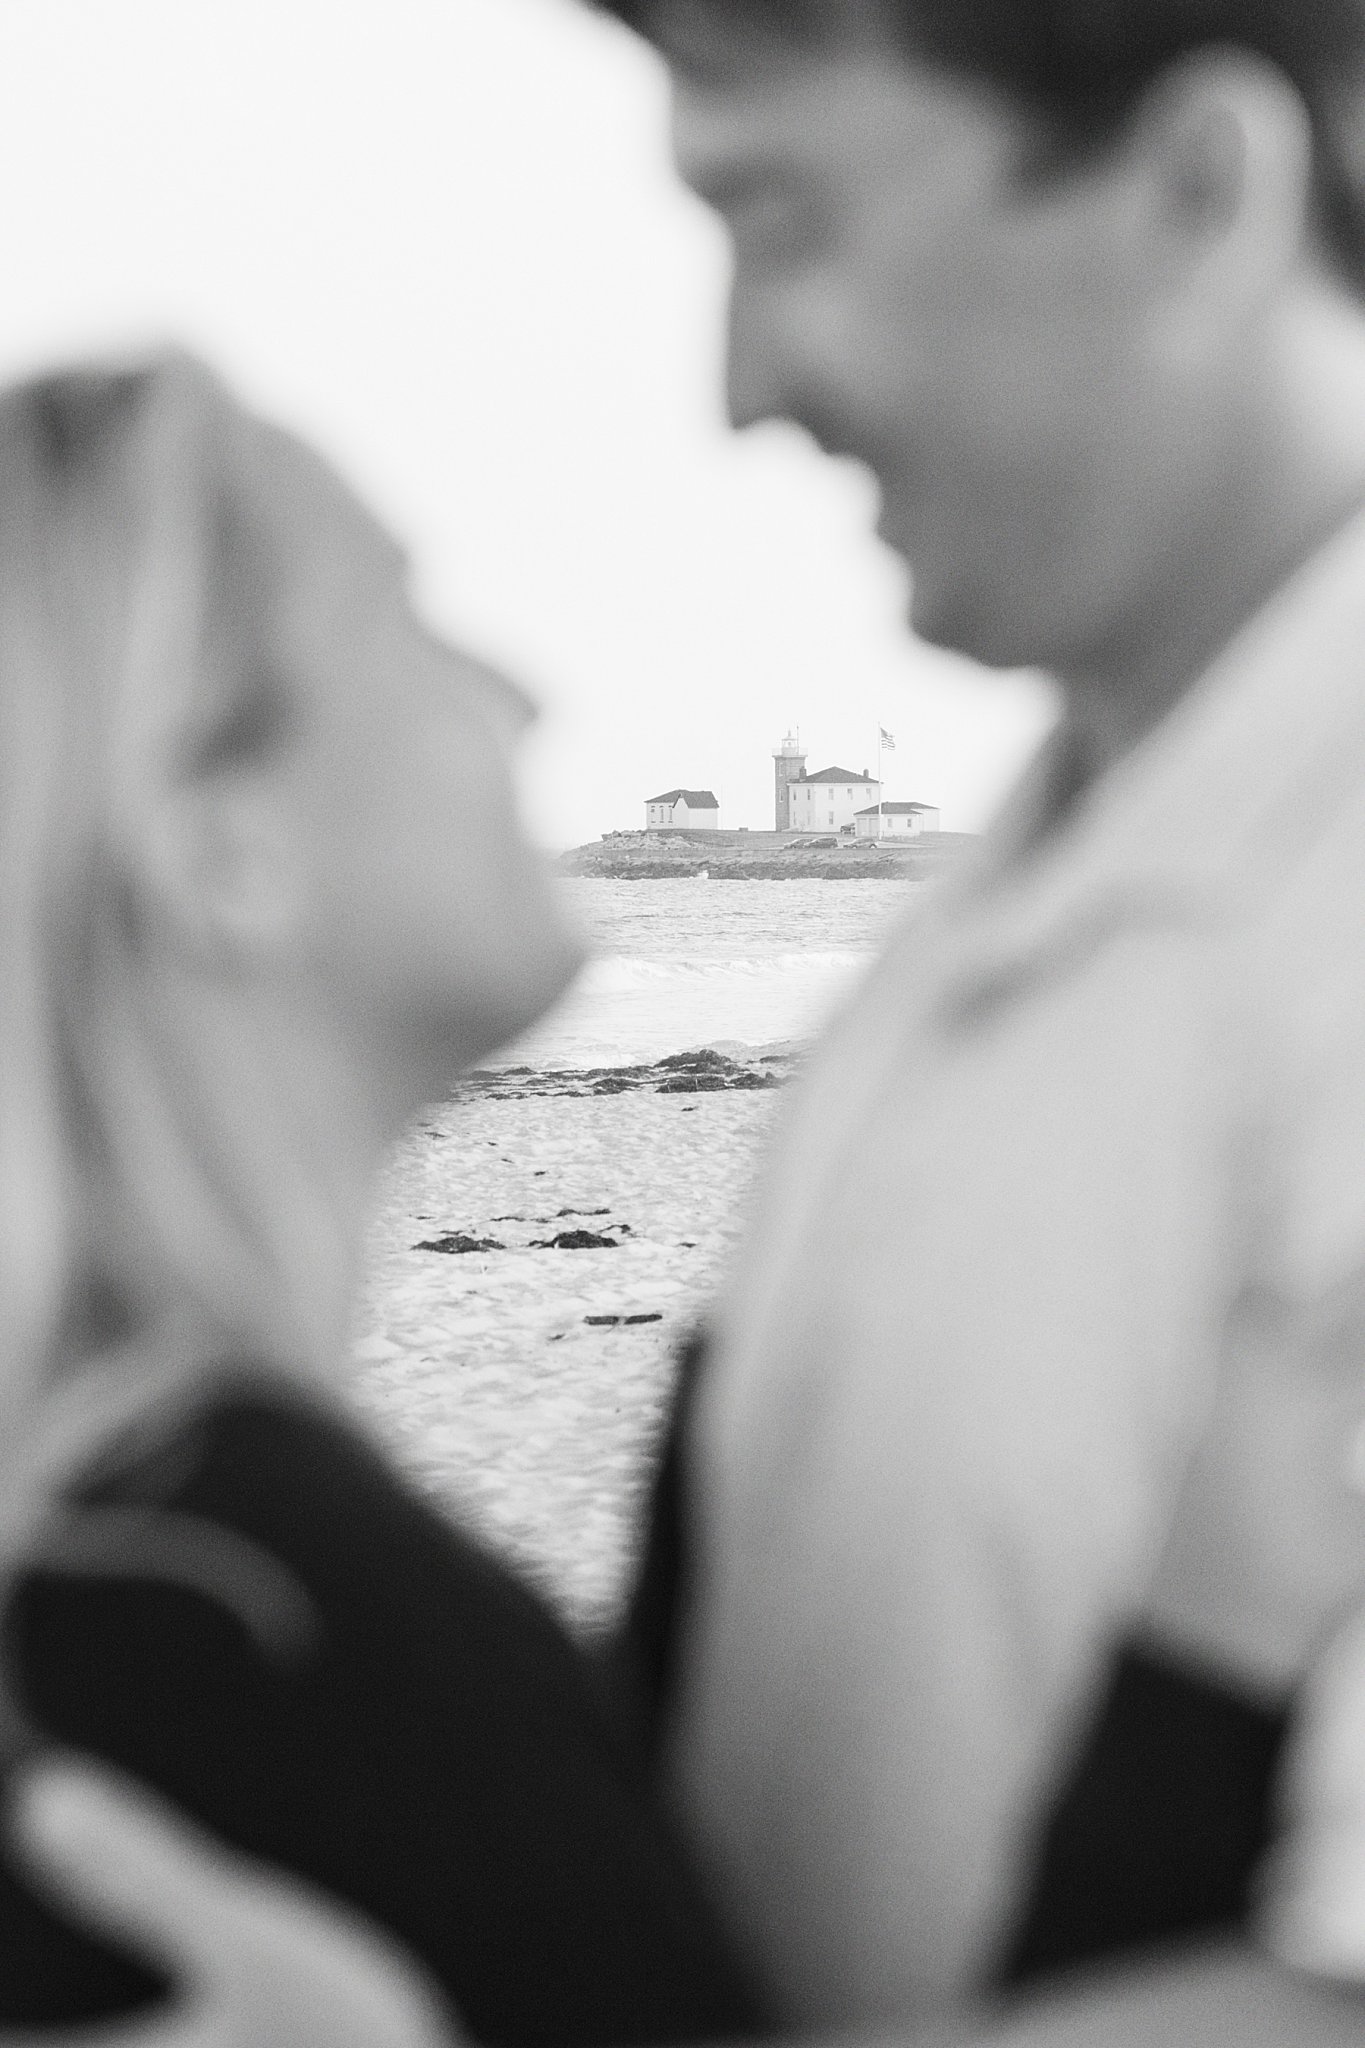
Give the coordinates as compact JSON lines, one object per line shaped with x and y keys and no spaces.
{"x":145,"y":1167}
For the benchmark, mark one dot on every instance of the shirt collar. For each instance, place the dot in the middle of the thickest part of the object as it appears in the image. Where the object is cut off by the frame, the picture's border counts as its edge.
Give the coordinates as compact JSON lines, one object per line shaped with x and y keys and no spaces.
{"x":1203,"y":810}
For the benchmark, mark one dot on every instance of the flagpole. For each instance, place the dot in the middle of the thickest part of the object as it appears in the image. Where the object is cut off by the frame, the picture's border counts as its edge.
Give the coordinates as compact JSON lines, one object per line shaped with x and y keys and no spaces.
{"x":879,"y":782}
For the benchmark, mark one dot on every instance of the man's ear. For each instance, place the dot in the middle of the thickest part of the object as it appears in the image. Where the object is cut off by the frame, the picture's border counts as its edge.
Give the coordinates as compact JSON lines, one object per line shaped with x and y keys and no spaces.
{"x":1224,"y":145}
{"x":218,"y":871}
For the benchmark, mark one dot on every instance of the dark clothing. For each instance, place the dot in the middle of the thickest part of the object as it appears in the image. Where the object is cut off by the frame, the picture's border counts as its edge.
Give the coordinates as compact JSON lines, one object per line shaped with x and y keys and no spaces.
{"x":263,"y":1622}
{"x":358,"y":1692}
{"x":1159,"y":1828}
{"x":643,"y":1657}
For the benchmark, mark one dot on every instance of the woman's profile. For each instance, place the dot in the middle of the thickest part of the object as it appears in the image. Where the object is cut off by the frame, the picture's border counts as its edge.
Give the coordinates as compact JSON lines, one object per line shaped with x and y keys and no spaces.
{"x":262,"y":893}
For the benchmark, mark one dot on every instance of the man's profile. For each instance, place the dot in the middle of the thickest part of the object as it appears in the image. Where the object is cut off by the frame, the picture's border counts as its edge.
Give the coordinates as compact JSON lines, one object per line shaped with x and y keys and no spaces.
{"x":1020,"y":1516}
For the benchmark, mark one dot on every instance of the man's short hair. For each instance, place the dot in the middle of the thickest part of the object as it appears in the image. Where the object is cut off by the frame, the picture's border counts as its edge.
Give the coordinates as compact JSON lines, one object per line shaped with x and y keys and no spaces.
{"x":1083,"y":64}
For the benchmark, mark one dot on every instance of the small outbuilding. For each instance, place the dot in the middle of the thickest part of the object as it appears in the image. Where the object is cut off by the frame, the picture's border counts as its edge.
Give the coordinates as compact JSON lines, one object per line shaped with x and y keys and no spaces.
{"x":682,"y":810}
{"x":895,"y":821}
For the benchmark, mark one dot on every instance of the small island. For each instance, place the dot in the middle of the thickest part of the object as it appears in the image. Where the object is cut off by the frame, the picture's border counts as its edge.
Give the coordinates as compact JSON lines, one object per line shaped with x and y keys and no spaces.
{"x":762,"y":856}
{"x":835,"y":825}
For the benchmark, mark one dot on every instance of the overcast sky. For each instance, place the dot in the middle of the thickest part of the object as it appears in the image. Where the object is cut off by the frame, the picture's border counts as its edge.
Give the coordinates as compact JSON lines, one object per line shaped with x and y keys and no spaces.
{"x":441,"y":236}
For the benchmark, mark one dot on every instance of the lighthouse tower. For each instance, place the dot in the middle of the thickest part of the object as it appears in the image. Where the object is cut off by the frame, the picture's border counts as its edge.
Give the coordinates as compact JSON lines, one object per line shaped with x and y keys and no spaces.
{"x":789,"y":765}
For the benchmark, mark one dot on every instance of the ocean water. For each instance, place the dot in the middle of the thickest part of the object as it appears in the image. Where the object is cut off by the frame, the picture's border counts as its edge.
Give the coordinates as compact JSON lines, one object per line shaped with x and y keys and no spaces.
{"x":681,"y":964}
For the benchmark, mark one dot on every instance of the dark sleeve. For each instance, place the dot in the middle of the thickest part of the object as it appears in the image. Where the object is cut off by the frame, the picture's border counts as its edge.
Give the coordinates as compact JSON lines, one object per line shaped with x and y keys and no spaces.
{"x":644,"y":1655}
{"x":434,"y":1749}
{"x":1157,"y":1830}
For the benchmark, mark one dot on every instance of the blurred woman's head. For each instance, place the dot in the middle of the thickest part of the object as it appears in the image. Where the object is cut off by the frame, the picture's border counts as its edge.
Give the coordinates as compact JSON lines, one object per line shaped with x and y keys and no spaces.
{"x":262,"y":890}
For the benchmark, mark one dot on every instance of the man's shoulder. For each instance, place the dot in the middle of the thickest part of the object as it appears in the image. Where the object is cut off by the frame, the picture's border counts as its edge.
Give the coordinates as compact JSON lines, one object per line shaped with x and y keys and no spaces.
{"x":1302,"y":901}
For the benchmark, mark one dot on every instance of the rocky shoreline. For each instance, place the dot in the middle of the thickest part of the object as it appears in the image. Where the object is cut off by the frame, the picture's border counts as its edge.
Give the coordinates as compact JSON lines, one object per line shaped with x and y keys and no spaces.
{"x":707,"y":1072}
{"x":760,"y":857}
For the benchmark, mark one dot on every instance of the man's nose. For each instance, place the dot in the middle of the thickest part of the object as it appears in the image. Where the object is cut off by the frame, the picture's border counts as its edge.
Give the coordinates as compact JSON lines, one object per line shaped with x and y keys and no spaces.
{"x":777,"y":367}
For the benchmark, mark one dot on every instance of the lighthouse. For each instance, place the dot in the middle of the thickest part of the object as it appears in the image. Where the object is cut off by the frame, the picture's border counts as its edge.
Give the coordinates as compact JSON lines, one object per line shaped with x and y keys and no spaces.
{"x":789,"y":765}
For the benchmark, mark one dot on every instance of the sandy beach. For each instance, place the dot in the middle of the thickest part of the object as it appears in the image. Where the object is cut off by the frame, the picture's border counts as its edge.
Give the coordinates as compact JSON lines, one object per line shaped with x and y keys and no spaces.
{"x":492,"y":1373}
{"x":504,"y":1370}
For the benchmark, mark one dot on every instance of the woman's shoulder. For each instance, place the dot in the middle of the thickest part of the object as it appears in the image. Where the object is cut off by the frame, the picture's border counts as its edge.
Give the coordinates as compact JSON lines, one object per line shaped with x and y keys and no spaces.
{"x":259,"y":1492}
{"x":206,"y":1511}
{"x":213,"y":1419}
{"x":263,"y":1509}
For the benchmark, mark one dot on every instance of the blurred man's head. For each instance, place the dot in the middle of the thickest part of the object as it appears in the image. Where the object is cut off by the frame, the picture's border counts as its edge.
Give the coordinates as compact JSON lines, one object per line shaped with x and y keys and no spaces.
{"x":1056,"y":269}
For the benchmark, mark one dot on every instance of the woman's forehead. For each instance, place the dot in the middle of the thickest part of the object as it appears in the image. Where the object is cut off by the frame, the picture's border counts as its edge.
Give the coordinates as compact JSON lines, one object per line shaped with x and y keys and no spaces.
{"x":330,"y":546}
{"x":312,"y":512}
{"x":507,"y":701}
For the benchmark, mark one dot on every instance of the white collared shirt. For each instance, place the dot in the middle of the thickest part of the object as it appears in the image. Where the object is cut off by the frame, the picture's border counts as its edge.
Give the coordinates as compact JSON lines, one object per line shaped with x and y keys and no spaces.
{"x":1051,"y":1325}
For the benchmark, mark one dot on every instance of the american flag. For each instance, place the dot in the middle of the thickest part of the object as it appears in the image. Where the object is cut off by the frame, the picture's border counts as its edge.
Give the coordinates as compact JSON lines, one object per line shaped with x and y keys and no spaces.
{"x":887,"y":740}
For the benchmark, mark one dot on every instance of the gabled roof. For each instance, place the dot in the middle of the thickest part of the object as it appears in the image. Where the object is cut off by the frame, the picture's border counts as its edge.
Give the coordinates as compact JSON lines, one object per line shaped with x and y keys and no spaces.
{"x":836,"y":775}
{"x":695,"y":799}
{"x":893,"y":810}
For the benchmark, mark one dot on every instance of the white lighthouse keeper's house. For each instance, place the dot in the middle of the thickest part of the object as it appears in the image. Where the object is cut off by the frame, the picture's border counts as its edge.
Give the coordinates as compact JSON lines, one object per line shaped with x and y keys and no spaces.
{"x":830,"y":800}
{"x":682,"y":810}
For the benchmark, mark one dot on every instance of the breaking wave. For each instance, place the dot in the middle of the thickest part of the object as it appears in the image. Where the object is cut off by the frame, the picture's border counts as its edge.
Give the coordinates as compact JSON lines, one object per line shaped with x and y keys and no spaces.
{"x":750,"y":964}
{"x":630,"y":1009}
{"x":608,"y":976}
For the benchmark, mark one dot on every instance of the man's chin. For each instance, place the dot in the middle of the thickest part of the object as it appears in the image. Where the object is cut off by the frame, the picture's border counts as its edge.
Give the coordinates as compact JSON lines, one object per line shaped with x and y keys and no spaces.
{"x":946,"y":612}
